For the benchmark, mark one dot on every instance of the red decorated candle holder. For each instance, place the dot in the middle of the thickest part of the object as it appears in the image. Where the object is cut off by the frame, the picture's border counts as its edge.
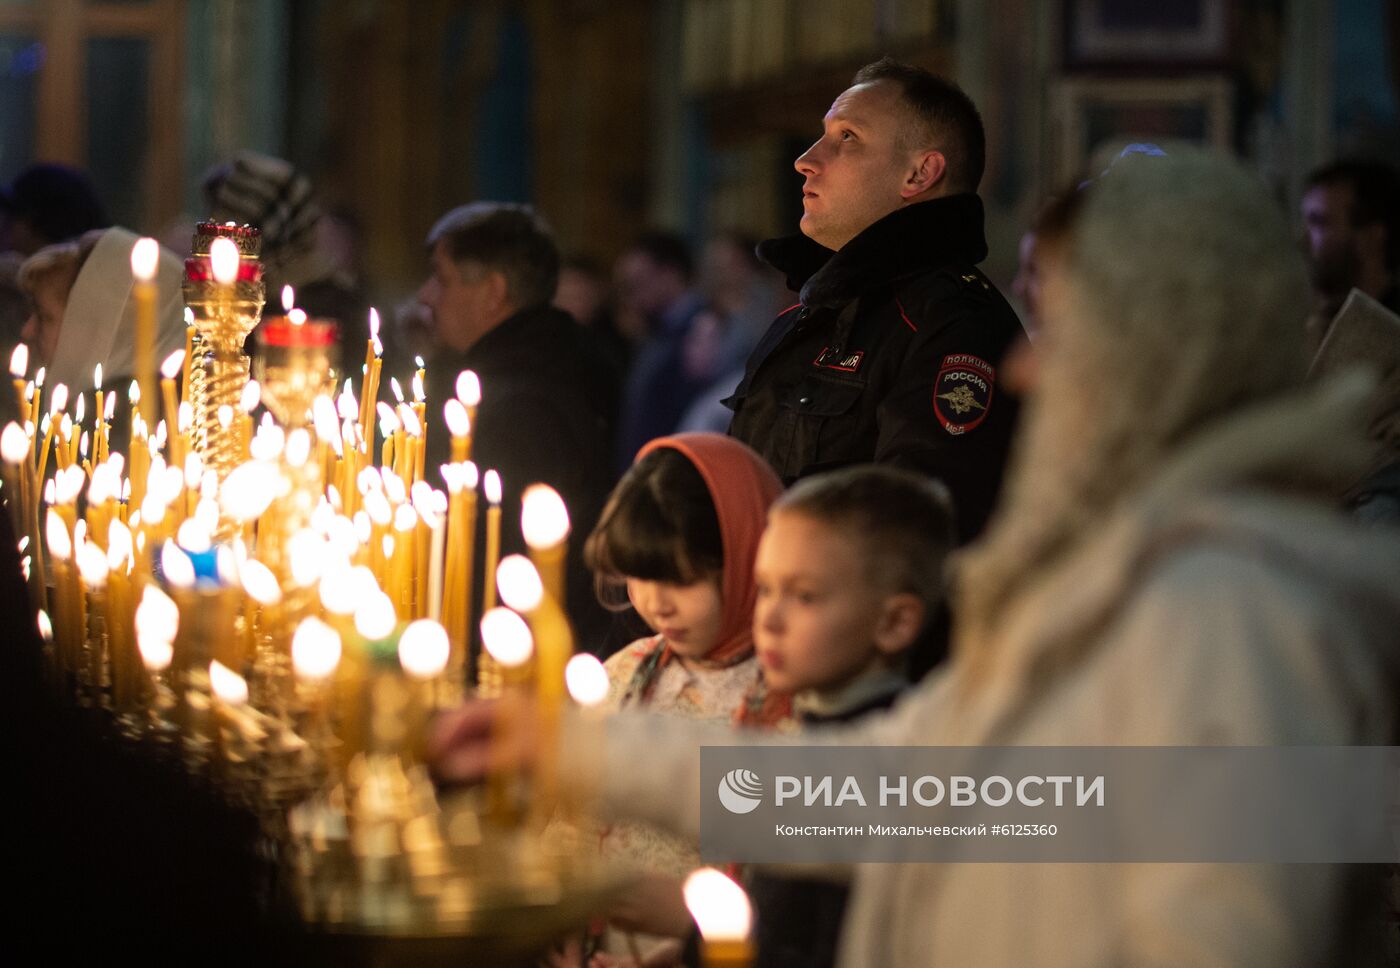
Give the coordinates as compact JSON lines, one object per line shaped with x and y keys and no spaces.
{"x":248,"y":238}
{"x":200,"y":269}
{"x":281,"y":331}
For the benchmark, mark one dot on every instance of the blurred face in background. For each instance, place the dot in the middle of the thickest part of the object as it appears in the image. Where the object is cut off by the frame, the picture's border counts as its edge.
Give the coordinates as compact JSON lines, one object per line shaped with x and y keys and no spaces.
{"x":1335,"y":244}
{"x":49,"y":299}
{"x":466,"y":300}
{"x":645,"y":288}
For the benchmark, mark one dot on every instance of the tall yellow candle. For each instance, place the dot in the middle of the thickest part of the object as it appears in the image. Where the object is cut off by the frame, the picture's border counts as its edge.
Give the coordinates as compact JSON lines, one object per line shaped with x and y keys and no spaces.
{"x":492,"y":486}
{"x":145,"y":257}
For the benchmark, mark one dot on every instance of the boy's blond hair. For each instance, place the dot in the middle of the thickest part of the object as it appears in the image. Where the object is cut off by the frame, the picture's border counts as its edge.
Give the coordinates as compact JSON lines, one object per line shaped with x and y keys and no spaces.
{"x":902,"y":521}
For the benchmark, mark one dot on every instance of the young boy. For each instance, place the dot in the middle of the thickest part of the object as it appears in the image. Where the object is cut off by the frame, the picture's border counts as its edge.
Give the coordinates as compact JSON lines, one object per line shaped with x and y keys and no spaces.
{"x":850,"y":575}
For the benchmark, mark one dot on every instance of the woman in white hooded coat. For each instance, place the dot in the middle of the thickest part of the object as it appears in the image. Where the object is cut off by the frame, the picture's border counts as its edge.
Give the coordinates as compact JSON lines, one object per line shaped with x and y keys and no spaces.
{"x":1167,"y":568}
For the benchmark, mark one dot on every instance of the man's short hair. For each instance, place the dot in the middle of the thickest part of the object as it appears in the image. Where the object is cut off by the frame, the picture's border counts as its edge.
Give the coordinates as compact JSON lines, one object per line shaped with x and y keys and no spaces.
{"x":901,"y":520}
{"x":508,"y":238}
{"x":1375,"y":194}
{"x":667,"y":251}
{"x":951,"y":121}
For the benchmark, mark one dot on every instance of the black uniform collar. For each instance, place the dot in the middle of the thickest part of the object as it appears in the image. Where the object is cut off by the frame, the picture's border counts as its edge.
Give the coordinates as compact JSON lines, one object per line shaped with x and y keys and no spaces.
{"x":904,"y":243}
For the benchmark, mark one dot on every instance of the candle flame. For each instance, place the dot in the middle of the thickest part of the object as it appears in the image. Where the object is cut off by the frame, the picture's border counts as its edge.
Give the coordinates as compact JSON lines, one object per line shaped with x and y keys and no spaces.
{"x":470,"y":476}
{"x":229,"y":686}
{"x":92,"y":565}
{"x":156,"y":653}
{"x":194,"y":534}
{"x":719,"y":906}
{"x":506,"y":637}
{"x":587,"y":679}
{"x":458,"y":423}
{"x":289,"y":298}
{"x":45,"y":626}
{"x":298,"y":447}
{"x":59,"y":400}
{"x":97,"y":376}
{"x":420,"y":393}
{"x":544,"y":520}
{"x":424,"y":649}
{"x":306,"y":552}
{"x":223,"y":259}
{"x":259,"y":582}
{"x":189,"y":318}
{"x":39,"y":376}
{"x":170,"y":369}
{"x":375,"y":619}
{"x":119,"y":546}
{"x":80,"y":409}
{"x":394,"y":488}
{"x":111,"y":406}
{"x":338,"y":592}
{"x":405,"y":518}
{"x":373,"y":323}
{"x":157,"y":617}
{"x":14,"y":443}
{"x":145,"y":256}
{"x":133,"y":392}
{"x":398,"y":390}
{"x":297,"y":317}
{"x":184,"y":417}
{"x":519,"y":583}
{"x":56,"y":532}
{"x":252,"y":393}
{"x":469,"y":388}
{"x":225,"y":414}
{"x":19,"y":361}
{"x":493,"y":487}
{"x":315,"y":649}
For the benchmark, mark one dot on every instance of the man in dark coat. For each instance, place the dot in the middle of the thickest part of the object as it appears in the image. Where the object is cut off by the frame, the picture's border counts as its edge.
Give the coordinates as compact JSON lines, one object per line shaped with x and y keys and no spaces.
{"x":891,"y":355}
{"x":548,"y":392}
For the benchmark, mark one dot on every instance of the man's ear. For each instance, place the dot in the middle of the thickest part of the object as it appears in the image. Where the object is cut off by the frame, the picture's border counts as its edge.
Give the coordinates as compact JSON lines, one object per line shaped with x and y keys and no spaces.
{"x":930,"y":168}
{"x":901,"y":620}
{"x":498,"y":288}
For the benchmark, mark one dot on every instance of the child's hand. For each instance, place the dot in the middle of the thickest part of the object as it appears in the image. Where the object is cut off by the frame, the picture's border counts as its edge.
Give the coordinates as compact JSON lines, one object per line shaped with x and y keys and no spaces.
{"x":467,"y":743}
{"x":653,"y":904}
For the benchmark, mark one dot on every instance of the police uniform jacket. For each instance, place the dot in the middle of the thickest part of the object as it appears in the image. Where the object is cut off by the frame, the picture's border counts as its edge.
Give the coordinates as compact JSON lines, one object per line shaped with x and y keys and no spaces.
{"x":890,"y":356}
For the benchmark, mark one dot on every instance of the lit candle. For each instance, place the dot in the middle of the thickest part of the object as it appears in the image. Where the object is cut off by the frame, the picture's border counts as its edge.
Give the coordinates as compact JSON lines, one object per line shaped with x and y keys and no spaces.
{"x":424,"y":651}
{"x":316,"y":652}
{"x":721,"y":910}
{"x":229,"y":690}
{"x":492,"y":487}
{"x":145,"y":257}
{"x":506,"y":639}
{"x":522,"y":590}
{"x":544,"y":522}
{"x":588,"y":685}
{"x":19,"y":365}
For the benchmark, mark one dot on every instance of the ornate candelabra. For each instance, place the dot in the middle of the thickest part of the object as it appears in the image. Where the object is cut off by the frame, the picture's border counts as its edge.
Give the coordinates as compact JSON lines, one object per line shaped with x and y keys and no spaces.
{"x":225,"y":312}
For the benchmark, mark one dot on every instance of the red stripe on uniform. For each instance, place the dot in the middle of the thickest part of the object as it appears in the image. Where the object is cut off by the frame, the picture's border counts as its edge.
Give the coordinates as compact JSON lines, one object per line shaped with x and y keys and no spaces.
{"x":789,"y":309}
{"x":905,"y":316}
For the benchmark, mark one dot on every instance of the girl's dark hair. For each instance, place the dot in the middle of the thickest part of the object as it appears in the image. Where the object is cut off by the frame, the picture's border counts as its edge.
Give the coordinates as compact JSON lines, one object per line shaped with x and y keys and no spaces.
{"x":658,"y":525}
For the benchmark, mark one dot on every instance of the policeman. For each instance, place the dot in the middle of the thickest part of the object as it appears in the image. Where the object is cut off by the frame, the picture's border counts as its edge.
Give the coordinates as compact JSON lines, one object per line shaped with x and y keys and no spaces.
{"x":892,"y":353}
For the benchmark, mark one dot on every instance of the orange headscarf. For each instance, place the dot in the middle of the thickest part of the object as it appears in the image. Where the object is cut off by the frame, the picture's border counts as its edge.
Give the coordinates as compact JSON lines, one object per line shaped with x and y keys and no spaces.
{"x":742,"y":487}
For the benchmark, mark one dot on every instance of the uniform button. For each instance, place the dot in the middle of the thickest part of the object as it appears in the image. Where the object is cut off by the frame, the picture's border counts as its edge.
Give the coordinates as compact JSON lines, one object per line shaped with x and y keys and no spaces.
{"x":803,"y":313}
{"x":805,"y":400}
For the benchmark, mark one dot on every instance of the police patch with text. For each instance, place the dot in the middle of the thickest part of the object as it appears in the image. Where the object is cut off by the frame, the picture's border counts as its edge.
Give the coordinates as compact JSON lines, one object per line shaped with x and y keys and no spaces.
{"x":962,"y":394}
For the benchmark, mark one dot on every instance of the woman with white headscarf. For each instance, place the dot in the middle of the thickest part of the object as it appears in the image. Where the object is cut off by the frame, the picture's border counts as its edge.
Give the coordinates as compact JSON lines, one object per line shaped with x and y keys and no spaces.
{"x":83,"y":311}
{"x":1167,"y":568}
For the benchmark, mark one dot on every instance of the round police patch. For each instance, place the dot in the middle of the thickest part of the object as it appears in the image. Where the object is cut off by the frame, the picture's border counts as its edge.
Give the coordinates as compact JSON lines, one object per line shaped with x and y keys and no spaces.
{"x":962,"y":394}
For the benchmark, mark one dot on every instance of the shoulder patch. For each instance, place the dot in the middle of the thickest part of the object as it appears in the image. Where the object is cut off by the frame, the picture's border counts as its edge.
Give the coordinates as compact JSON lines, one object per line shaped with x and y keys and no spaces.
{"x":962,"y":394}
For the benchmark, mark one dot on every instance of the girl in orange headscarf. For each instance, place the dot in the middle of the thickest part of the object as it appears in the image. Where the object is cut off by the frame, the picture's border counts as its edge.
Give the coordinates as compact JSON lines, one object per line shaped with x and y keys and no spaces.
{"x":680,"y":532}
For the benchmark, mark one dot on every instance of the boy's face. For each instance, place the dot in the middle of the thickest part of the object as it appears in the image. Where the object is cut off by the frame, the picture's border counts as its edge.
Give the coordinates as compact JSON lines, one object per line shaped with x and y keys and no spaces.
{"x":819,"y":621}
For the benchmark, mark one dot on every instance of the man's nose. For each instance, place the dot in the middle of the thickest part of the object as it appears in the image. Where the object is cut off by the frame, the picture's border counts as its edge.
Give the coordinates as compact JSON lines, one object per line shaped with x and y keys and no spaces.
{"x":809,"y":161}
